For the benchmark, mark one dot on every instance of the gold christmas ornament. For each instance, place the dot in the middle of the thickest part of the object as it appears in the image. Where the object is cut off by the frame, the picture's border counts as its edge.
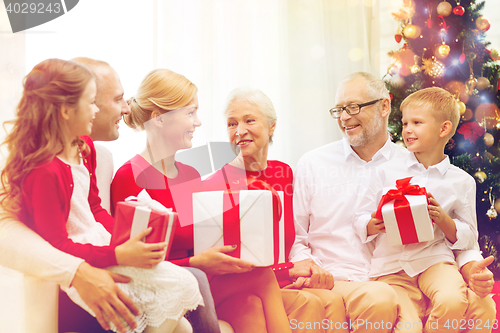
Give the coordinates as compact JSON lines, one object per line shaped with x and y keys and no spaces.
{"x":487,"y":115}
{"x":411,"y":31}
{"x":461,"y":107}
{"x":392,"y":70}
{"x":497,"y":205}
{"x":492,"y":213}
{"x":488,"y":139}
{"x":468,"y":114}
{"x":444,"y":8}
{"x":400,"y":143}
{"x":470,"y":84}
{"x":480,"y":176}
{"x":443,"y":51}
{"x":397,"y":81}
{"x":433,"y":68}
{"x":415,"y":69}
{"x":482,"y":23}
{"x":482,"y":83}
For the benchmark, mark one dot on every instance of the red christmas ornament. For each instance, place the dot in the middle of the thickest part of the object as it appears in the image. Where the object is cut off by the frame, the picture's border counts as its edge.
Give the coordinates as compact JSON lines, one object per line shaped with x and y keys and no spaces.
{"x":398,"y":37}
{"x":391,"y":96}
{"x":462,"y":58}
{"x":443,"y":24}
{"x":429,"y":23}
{"x":459,"y":10}
{"x":471,"y":131}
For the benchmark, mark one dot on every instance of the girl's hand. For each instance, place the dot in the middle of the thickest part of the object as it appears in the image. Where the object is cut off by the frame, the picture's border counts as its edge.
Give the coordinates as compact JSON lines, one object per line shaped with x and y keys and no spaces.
{"x":215,"y":261}
{"x":375,"y":226}
{"x":135,"y":252}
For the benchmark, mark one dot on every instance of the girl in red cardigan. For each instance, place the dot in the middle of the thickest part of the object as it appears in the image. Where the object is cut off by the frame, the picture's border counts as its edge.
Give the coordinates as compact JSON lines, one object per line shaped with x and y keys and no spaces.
{"x":47,"y":183}
{"x":166,"y":107}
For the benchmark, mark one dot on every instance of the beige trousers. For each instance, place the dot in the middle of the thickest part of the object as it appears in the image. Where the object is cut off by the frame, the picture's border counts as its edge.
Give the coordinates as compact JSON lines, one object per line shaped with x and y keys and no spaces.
{"x":314,"y":310}
{"x":439,"y":294}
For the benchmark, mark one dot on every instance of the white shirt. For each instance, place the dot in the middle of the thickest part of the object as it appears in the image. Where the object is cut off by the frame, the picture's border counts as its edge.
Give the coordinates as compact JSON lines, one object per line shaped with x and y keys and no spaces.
{"x":104,"y":174}
{"x":328,"y":183}
{"x":454,"y":190}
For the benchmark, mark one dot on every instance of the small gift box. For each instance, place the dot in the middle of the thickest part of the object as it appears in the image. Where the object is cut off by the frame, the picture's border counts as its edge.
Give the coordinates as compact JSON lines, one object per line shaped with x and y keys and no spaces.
{"x":138,"y":213}
{"x":405,"y":214}
{"x":251,"y":219}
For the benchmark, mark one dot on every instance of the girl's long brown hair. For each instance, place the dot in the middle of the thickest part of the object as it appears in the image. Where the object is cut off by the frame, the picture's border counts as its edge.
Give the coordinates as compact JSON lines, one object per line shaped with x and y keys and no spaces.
{"x":37,"y":133}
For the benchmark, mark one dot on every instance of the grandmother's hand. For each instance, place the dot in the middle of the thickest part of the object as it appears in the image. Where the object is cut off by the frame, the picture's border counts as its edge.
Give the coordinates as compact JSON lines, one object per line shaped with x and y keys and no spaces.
{"x":215,"y":261}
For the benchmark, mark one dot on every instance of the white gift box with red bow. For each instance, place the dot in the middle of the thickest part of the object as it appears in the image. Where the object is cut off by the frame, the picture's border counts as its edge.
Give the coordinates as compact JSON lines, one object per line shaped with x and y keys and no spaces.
{"x":246,"y":218}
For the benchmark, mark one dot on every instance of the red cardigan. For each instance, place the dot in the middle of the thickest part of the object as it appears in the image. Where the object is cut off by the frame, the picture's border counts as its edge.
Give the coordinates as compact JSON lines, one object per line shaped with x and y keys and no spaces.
{"x":137,"y":174}
{"x":279,"y":176}
{"x":47,"y":192}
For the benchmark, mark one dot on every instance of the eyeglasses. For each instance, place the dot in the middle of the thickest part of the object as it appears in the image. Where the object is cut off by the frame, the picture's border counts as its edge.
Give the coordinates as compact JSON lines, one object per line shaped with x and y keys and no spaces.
{"x":351,"y":110}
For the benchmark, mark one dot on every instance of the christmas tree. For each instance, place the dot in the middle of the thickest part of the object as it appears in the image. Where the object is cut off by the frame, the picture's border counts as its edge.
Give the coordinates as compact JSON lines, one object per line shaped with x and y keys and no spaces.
{"x":444,"y":45}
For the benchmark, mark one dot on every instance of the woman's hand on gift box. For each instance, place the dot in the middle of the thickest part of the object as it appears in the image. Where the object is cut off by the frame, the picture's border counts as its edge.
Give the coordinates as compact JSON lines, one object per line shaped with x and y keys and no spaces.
{"x":307,"y":274}
{"x":215,"y":261}
{"x":443,"y":220}
{"x":135,"y":252}
{"x":375,"y":225}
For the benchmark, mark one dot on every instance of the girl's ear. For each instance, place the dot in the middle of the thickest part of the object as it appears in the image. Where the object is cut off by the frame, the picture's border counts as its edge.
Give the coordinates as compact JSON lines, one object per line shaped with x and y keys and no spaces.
{"x":445,"y":129}
{"x":65,"y":111}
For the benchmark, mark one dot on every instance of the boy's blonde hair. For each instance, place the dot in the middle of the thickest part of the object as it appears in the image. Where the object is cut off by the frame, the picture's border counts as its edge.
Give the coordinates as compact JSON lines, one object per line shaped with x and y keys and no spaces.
{"x":440,"y":102}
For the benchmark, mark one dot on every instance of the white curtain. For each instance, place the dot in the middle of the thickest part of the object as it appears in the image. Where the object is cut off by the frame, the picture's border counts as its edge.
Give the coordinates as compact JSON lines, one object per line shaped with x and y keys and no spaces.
{"x":295,"y":51}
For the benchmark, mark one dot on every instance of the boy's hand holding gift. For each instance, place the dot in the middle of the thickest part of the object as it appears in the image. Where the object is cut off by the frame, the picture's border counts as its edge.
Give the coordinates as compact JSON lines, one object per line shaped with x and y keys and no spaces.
{"x":403,"y":214}
{"x":443,"y":220}
{"x":375,"y":225}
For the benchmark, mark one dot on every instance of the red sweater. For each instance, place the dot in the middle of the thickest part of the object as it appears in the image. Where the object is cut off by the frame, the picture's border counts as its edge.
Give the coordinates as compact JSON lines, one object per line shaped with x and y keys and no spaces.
{"x":279,"y":176}
{"x":47,"y":192}
{"x":137,"y":174}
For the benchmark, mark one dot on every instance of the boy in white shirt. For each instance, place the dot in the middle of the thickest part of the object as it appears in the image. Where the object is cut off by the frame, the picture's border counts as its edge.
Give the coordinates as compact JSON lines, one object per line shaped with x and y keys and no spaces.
{"x":426,"y":270}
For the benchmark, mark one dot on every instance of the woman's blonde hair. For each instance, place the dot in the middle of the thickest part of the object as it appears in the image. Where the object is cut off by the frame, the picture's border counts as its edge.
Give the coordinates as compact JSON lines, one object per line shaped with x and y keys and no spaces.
{"x":37,"y":133}
{"x":161,"y":90}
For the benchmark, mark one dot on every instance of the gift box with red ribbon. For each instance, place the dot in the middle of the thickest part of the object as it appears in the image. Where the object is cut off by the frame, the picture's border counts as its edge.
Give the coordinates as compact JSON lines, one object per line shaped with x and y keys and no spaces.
{"x":405,"y":214}
{"x":251,"y":219}
{"x":138,"y":213}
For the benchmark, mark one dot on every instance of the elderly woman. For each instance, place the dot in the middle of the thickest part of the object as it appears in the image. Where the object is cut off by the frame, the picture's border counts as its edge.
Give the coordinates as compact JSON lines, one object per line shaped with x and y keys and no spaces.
{"x":251,"y":122}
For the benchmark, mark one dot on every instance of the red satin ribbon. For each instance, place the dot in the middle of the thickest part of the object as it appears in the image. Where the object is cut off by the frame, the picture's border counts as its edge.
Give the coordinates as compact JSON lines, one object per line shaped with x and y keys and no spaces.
{"x":402,"y":210}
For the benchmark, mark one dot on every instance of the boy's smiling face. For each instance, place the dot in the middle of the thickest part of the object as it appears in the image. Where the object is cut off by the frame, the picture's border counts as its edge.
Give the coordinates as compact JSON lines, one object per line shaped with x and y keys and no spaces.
{"x":421,"y":130}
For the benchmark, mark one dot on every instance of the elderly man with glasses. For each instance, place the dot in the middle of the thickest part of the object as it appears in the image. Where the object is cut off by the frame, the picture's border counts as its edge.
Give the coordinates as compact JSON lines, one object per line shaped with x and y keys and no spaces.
{"x":328,"y":184}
